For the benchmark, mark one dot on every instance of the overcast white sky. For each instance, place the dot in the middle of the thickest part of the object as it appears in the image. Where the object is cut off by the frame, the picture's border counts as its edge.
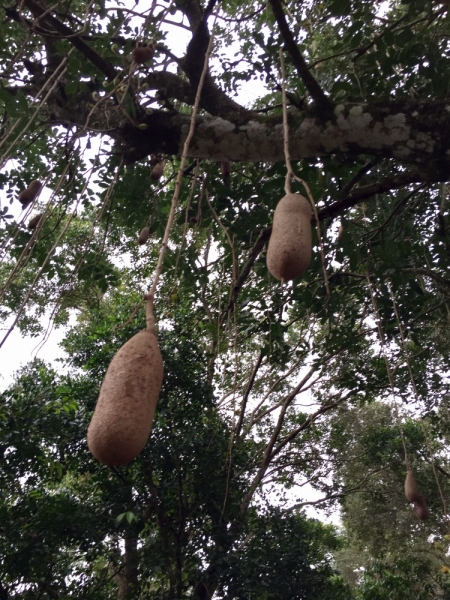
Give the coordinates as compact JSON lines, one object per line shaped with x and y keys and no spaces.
{"x":18,"y":350}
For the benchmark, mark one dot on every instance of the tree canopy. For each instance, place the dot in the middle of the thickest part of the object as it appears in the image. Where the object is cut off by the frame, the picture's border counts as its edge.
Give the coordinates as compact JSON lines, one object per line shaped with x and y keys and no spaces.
{"x":277,"y":396}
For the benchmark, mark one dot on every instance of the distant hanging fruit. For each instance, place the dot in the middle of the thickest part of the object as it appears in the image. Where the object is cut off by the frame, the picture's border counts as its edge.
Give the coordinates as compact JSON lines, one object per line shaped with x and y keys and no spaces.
{"x":412,"y":492}
{"x":142,"y":54}
{"x":158,"y":170}
{"x":290,"y":245}
{"x":143,"y":236}
{"x":421,"y":508}
{"x":225,"y":168}
{"x":34,"y":222}
{"x":27,"y":196}
{"x":124,"y":413}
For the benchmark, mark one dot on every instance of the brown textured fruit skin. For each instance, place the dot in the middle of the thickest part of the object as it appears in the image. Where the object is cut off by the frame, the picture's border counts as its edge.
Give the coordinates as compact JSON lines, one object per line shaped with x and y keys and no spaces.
{"x":225,"y":168}
{"x":421,"y":508}
{"x":157,"y":171}
{"x":411,"y":490}
{"x":123,"y":416}
{"x":34,"y":222}
{"x":27,"y":196}
{"x":142,"y":54}
{"x":289,"y":251}
{"x":143,"y":236}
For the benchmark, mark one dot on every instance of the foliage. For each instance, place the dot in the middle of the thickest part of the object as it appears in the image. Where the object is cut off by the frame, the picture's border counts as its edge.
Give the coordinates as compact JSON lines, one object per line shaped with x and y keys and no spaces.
{"x":64,"y":514}
{"x":272,"y":392}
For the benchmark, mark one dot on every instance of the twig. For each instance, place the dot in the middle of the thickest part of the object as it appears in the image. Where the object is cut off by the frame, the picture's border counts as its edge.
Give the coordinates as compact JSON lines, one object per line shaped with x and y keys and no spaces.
{"x":416,"y":396}
{"x":253,"y":255}
{"x":247,"y":393}
{"x":176,"y":193}
{"x":290,"y":172}
{"x":399,"y":180}
{"x":311,"y":84}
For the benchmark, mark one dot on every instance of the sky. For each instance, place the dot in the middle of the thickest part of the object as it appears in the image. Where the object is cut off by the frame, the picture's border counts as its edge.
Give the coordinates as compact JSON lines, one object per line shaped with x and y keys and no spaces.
{"x":19,"y":350}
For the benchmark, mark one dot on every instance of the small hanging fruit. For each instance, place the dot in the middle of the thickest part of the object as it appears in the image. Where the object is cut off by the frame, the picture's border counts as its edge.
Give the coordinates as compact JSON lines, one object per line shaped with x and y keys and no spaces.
{"x":421,"y":508}
{"x":158,"y":170}
{"x":412,"y":492}
{"x":27,"y":196}
{"x":143,"y":236}
{"x":142,"y":54}
{"x":123,"y":416}
{"x":34,"y":222}
{"x":225,"y":169}
{"x":290,"y":245}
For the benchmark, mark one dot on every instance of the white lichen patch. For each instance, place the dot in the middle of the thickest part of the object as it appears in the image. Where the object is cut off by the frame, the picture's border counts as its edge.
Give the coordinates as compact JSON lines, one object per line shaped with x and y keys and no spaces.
{"x":219,"y":139}
{"x":355,"y":112}
{"x":392,"y":121}
{"x":425,"y":141}
{"x":223,"y":127}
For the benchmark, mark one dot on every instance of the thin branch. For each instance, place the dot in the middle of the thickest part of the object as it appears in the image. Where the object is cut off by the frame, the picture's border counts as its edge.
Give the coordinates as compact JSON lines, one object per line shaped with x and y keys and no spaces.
{"x":398,"y":181}
{"x":354,"y":180}
{"x":362,"y":51}
{"x":105,"y":67}
{"x":263,"y":238}
{"x":247,"y":393}
{"x":335,"y":496}
{"x":430,"y":274}
{"x":177,"y":190}
{"x":399,"y":206}
{"x":311,"y":84}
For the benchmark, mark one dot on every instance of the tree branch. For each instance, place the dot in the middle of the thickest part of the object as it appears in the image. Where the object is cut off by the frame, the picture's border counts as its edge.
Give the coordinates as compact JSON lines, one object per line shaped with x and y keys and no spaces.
{"x":263,"y":238}
{"x":334,"y":496}
{"x":399,"y":180}
{"x":247,"y":393}
{"x":354,"y":180}
{"x":430,"y":274}
{"x":213,"y":100}
{"x":105,"y":67}
{"x":311,"y":84}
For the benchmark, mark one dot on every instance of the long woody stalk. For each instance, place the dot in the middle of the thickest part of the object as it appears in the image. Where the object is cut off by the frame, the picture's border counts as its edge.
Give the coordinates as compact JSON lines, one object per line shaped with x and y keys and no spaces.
{"x":176,"y":194}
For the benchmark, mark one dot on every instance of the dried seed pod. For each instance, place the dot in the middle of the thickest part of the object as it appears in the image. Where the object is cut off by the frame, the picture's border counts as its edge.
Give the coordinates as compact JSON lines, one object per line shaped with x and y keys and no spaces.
{"x":411,"y":490}
{"x":27,"y":196}
{"x":142,"y":54}
{"x":158,"y":170}
{"x":123,"y":416}
{"x":143,"y":236}
{"x":421,"y":508}
{"x":225,"y":168}
{"x":290,"y":245}
{"x":34,"y":222}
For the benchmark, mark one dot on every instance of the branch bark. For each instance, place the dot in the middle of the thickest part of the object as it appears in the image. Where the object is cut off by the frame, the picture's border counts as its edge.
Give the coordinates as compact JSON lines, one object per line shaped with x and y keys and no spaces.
{"x":316,"y":92}
{"x":367,"y":191}
{"x":105,"y":67}
{"x":412,"y":132}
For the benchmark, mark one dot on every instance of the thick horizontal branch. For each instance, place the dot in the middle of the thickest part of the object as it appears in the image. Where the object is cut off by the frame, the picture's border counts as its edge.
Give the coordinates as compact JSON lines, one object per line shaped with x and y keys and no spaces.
{"x":411,"y":132}
{"x":171,"y":85}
